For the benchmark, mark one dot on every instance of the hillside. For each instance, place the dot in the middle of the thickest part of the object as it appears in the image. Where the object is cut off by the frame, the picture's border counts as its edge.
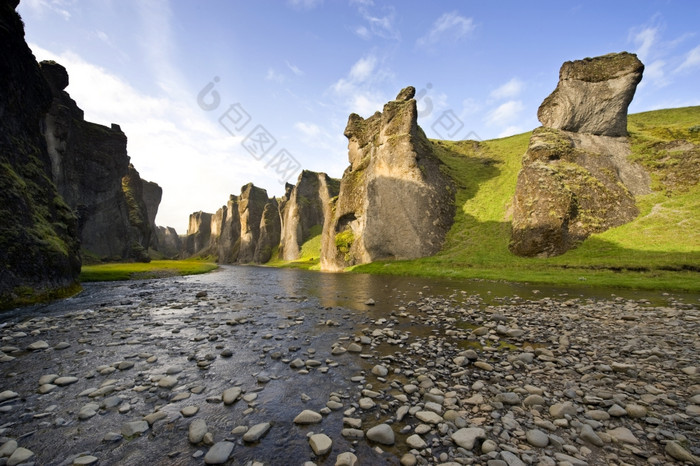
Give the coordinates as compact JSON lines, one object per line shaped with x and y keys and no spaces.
{"x":660,"y":249}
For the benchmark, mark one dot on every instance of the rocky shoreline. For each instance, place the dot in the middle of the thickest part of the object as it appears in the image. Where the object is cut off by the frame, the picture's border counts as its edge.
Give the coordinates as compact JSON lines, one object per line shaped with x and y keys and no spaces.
{"x":189,"y":371}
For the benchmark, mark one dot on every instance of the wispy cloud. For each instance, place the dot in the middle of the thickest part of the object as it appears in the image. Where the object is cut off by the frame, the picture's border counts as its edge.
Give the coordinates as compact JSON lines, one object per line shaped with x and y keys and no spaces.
{"x":505,"y":113}
{"x":41,"y":7}
{"x":294,"y":69}
{"x":274,"y":76}
{"x":309,"y":130}
{"x":359,"y":89}
{"x":379,"y":22}
{"x":450,"y":26}
{"x":692,"y":60}
{"x":508,"y":90}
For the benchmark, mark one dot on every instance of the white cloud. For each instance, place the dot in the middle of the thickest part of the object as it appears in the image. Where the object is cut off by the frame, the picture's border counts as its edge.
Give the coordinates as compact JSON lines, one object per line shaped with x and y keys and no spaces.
{"x":294,"y":69}
{"x":505,"y":113}
{"x":645,"y":39}
{"x":309,"y":130}
{"x":42,"y":7}
{"x":358,"y":90}
{"x":377,"y":24}
{"x":692,"y":59}
{"x":508,"y":90}
{"x":171,"y":141}
{"x":304,"y":4}
{"x":510,"y":131}
{"x":449,"y":26}
{"x":363,"y":68}
{"x":274,"y":76}
{"x":654,"y":73}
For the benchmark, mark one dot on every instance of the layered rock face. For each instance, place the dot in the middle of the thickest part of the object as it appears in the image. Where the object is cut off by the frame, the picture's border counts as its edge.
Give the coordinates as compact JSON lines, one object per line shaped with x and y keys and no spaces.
{"x":39,"y":250}
{"x":394,"y":202}
{"x":198,"y":237}
{"x":304,"y":210}
{"x":90,"y":167}
{"x":576,"y":178}
{"x":251,"y":205}
{"x":152,"y":195}
{"x":169,"y":243}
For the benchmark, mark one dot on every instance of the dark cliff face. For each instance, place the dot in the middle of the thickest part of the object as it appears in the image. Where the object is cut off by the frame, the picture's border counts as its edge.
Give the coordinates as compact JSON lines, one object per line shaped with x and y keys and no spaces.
{"x":91,"y":169}
{"x":38,"y":231}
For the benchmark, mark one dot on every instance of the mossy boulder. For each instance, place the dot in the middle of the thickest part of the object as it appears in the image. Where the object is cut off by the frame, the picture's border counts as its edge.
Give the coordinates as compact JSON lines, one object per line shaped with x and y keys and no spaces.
{"x":593,"y":95}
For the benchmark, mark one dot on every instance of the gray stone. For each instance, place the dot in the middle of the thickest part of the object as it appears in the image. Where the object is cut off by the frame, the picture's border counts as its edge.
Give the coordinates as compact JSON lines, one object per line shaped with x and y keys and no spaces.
{"x":467,"y":437}
{"x":381,"y":434}
{"x":129,"y":429}
{"x":321,"y":444}
{"x":256,"y":432}
{"x":197,"y":430}
{"x":219,"y":453}
{"x":537,"y":438}
{"x":308,"y":417}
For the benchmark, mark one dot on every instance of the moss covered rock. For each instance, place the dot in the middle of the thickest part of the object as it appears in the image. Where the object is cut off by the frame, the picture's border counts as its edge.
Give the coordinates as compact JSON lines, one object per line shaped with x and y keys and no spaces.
{"x":38,"y":231}
{"x":593,"y":94}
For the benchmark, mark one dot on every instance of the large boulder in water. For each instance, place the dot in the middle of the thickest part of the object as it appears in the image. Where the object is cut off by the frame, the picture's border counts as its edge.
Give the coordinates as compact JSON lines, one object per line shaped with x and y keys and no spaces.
{"x":593,"y":94}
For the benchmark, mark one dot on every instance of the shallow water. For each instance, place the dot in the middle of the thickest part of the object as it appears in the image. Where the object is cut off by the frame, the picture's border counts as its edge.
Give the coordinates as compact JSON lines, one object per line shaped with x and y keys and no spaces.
{"x":276,"y":310}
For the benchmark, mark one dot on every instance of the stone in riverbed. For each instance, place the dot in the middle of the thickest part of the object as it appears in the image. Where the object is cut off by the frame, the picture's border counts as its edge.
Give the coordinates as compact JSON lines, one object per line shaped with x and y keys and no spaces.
{"x":537,"y":438}
{"x":623,"y":435}
{"x":381,"y":434}
{"x":197,"y":430}
{"x":63,"y":381}
{"x":129,"y":429}
{"x":416,"y":441}
{"x":380,"y":370}
{"x":429,"y":417}
{"x":231,"y":395}
{"x":219,"y":453}
{"x":38,"y":345}
{"x":321,"y":444}
{"x":85,"y":460}
{"x":167,"y":382}
{"x":308,"y":417}
{"x":589,"y":435}
{"x":675,"y":450}
{"x":8,"y":448}
{"x":467,"y":437}
{"x":346,"y":459}
{"x":189,"y":411}
{"x":560,"y":410}
{"x":256,"y":432}
{"x":20,"y":455}
{"x":8,"y":395}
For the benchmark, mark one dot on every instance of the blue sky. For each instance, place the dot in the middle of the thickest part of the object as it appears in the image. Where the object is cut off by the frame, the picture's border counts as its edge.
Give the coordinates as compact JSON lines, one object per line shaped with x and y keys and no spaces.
{"x":290,"y":72}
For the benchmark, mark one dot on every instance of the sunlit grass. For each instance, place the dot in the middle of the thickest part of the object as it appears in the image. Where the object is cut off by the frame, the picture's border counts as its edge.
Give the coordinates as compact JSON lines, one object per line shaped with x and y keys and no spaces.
{"x":140,"y":270}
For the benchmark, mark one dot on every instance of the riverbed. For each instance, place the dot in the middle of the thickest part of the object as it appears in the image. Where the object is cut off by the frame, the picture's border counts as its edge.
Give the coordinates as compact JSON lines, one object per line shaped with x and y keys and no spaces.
{"x":395,"y":370}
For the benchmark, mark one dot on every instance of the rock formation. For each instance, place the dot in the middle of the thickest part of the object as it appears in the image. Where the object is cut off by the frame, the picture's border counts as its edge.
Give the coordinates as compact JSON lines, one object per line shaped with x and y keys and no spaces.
{"x":152,"y":195}
{"x":169,"y":243}
{"x":576,"y":178}
{"x":90,"y":167}
{"x":593,"y":94}
{"x":269,"y":230}
{"x":251,"y":205}
{"x":198,"y":239}
{"x":304,"y":210}
{"x":394,"y":202}
{"x":38,"y":231}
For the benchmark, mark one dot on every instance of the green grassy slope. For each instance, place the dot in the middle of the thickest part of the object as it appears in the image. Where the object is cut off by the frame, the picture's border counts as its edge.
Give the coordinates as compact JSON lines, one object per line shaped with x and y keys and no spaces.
{"x":658,"y":250}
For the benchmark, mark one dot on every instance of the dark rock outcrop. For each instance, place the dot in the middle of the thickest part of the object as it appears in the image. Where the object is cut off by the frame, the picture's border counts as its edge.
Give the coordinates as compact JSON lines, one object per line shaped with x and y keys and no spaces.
{"x":304,"y":210}
{"x":593,"y":94}
{"x":169,"y":243}
{"x":90,"y":167}
{"x":152,"y":195}
{"x":394,"y":202}
{"x":140,"y":230}
{"x":38,"y":231}
{"x":574,"y":184}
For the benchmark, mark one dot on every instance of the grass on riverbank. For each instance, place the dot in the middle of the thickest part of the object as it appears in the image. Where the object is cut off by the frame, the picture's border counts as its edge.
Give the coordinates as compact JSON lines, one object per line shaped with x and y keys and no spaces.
{"x":309,"y":253}
{"x":658,"y":250}
{"x":140,"y":270}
